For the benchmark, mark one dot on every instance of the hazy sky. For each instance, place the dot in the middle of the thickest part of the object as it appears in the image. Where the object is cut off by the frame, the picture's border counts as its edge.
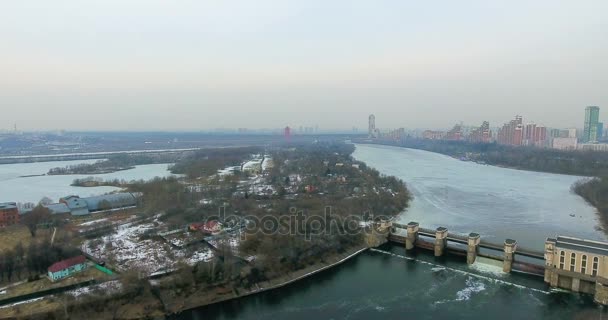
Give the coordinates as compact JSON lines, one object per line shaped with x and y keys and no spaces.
{"x":201,"y":64}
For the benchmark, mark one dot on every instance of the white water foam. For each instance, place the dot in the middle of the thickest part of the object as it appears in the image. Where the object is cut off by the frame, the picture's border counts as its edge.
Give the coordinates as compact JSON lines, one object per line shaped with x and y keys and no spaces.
{"x":485,"y":265}
{"x":494,"y":280}
{"x":472,"y":286}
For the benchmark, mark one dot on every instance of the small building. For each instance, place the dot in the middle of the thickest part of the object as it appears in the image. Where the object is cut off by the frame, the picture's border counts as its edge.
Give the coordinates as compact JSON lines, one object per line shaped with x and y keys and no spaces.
{"x":77,"y":206}
{"x":578,"y":265}
{"x":209,"y":227}
{"x":252,"y":166}
{"x":294,"y":179}
{"x":9,"y":214}
{"x":66,"y":268}
{"x":58,"y":208}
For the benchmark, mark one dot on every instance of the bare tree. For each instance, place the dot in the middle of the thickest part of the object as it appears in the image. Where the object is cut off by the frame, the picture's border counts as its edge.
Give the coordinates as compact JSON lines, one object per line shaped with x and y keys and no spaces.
{"x":33,"y":218}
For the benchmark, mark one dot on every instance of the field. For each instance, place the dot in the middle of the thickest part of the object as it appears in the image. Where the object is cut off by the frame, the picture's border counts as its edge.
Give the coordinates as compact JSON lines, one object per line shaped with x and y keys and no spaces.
{"x":136,"y":247}
{"x":11,"y":236}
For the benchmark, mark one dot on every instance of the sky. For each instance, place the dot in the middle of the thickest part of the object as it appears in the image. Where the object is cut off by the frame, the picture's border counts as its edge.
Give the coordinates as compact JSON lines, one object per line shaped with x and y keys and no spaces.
{"x":204,"y":64}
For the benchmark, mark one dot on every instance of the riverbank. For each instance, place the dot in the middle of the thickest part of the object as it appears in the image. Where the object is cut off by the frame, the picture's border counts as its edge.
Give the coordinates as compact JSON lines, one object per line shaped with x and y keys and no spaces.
{"x":577,"y":163}
{"x":92,"y":171}
{"x":204,"y":298}
{"x":163,"y":304}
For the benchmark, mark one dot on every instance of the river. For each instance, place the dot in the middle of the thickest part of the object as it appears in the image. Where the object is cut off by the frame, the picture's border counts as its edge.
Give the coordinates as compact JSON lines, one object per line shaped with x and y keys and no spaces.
{"x":387,"y":283}
{"x":498,"y":203}
{"x":14,"y":187}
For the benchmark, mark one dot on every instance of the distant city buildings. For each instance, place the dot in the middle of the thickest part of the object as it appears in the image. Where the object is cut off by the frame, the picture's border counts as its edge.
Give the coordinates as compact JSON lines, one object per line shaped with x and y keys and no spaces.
{"x":372,"y":131}
{"x":511,"y":133}
{"x":433,"y":135}
{"x":455,"y":133}
{"x":514,"y":133}
{"x":482,"y":134}
{"x":564,"y":143}
{"x":592,"y":116}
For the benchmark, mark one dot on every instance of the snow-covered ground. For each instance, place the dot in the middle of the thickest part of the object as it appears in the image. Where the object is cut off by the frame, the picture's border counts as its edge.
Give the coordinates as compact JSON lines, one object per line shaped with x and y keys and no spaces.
{"x":252,"y":165}
{"x":92,"y":222}
{"x":125,"y":249}
{"x":228,"y":171}
{"x":267,"y":163}
{"x":107,"y":288}
{"x":20,"y":302}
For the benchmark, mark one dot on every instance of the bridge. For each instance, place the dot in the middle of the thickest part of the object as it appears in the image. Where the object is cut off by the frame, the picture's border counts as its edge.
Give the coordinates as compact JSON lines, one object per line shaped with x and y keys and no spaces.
{"x":469,"y":246}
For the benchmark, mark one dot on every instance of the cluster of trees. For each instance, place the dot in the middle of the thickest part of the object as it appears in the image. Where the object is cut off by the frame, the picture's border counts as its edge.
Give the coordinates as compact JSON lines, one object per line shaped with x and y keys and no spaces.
{"x":161,"y":194}
{"x":97,"y":182}
{"x":594,"y":191}
{"x":114,"y":163}
{"x":207,"y":162}
{"x":34,"y":219}
{"x":585,"y":163}
{"x":33,"y":260}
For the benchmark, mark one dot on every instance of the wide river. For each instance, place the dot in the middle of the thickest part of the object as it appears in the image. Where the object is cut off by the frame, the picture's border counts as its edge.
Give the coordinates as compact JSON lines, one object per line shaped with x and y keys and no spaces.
{"x":387,"y":283}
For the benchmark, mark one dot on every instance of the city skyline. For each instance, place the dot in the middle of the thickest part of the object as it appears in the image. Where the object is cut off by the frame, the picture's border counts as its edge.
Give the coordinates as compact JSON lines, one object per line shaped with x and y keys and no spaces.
{"x":149,"y":65}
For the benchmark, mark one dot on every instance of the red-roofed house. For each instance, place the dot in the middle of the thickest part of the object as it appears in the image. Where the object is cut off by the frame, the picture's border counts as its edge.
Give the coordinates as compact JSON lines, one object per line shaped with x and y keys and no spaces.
{"x":67,"y":267}
{"x":212,"y":227}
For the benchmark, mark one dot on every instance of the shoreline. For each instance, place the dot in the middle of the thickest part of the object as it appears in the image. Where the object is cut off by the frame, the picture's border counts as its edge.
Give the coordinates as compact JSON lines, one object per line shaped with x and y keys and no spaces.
{"x":167,"y":307}
{"x":269,"y":285}
{"x":473,"y":161}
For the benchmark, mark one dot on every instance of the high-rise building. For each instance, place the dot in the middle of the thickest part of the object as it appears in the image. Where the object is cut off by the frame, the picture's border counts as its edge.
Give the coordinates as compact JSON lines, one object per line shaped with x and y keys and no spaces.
{"x":592,"y":117}
{"x":555,"y":133}
{"x":529,"y":131}
{"x":511,"y":132}
{"x":600,"y":130}
{"x":455,"y":133}
{"x":481,"y":134}
{"x":287,"y":133}
{"x":372,"y":126}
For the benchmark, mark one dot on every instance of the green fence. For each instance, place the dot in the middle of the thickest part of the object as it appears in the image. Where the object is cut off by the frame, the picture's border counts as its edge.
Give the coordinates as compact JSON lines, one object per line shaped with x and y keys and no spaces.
{"x":104,"y":270}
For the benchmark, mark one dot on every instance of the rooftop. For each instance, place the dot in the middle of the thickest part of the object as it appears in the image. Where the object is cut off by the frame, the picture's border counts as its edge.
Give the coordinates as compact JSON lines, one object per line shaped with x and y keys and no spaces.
{"x":64,"y":264}
{"x":113,"y":200}
{"x":8,"y":205}
{"x":582,"y":245}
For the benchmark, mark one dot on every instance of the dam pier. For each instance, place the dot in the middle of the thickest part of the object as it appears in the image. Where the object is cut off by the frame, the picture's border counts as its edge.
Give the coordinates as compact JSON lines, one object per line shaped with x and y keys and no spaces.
{"x":568,"y":263}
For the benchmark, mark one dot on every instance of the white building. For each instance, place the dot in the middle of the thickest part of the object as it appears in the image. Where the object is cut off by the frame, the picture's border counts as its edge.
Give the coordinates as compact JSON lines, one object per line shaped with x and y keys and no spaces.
{"x":593,"y":146}
{"x":564,"y":143}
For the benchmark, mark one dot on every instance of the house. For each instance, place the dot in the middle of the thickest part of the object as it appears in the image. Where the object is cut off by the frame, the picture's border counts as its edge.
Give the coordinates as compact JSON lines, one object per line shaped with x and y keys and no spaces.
{"x":77,"y":206}
{"x":253,"y":166}
{"x":210,"y":227}
{"x":295,"y":179}
{"x":66,"y":268}
{"x":9,"y":214}
{"x":58,"y":208}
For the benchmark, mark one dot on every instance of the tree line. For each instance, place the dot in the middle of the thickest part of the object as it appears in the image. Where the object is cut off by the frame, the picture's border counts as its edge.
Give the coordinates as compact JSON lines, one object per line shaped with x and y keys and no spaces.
{"x":18,"y":262}
{"x":573,"y":162}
